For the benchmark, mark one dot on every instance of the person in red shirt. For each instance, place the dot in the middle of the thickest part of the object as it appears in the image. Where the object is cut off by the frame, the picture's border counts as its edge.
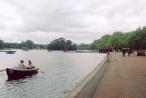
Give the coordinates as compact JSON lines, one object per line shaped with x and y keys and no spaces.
{"x":30,"y":64}
{"x":129,"y":51}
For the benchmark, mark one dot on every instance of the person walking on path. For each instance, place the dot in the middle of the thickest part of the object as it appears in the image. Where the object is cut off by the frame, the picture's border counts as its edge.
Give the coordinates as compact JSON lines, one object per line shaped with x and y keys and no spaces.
{"x":129,"y":51}
{"x":123,"y":78}
{"x":123,"y":51}
{"x":108,"y":53}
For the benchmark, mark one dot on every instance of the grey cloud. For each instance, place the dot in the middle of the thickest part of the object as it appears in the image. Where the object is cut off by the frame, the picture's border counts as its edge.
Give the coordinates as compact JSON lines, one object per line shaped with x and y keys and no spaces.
{"x":73,"y":19}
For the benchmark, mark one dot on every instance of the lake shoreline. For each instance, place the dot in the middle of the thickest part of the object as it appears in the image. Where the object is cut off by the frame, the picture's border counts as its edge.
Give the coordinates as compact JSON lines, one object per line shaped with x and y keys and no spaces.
{"x":63,"y":71}
{"x":87,"y":86}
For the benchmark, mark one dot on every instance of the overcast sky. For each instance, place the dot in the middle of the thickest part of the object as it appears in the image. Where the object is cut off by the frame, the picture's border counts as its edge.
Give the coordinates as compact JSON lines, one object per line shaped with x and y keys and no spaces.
{"x":78,"y":20}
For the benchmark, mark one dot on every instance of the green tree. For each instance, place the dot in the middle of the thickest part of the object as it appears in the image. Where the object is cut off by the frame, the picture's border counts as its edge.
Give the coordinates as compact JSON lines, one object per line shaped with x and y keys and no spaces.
{"x":134,"y":39}
{"x":137,"y":39}
{"x":83,"y":46}
{"x":1,"y":44}
{"x":28,"y":44}
{"x":61,"y":44}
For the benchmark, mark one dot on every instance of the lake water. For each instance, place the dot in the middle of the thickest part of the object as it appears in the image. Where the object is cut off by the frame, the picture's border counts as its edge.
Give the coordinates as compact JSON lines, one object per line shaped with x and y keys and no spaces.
{"x":63,"y":70}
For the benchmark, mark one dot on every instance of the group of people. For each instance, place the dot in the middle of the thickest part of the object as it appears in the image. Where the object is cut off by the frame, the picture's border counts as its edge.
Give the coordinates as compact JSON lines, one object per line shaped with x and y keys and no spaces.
{"x":128,"y":50}
{"x":21,"y":65}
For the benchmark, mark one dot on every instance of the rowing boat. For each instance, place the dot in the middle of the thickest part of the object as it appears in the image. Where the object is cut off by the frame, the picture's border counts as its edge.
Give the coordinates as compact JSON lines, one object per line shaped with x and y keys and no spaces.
{"x":10,"y":52}
{"x":14,"y":73}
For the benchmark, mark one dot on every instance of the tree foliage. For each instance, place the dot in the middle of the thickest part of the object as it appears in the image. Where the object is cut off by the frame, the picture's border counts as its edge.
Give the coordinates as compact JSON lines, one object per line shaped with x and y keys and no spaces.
{"x":83,"y":46}
{"x":25,"y":44}
{"x":1,"y":44}
{"x":28,"y":44}
{"x":61,"y":44}
{"x":134,"y":39}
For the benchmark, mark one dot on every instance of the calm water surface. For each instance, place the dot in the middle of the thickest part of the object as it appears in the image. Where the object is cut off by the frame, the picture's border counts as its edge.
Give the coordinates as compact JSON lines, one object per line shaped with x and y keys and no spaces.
{"x":63,"y":71}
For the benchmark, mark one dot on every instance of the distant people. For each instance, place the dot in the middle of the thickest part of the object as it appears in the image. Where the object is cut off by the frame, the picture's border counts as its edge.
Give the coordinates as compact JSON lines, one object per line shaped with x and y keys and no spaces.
{"x":21,"y":65}
{"x":108,"y":53}
{"x":132,"y":50}
{"x":123,"y":51}
{"x":129,"y":51}
{"x":30,"y":64}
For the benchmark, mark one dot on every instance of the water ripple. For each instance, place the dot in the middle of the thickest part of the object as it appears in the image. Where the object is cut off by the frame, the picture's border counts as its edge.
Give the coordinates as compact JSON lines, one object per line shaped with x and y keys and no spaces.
{"x":62,"y":72}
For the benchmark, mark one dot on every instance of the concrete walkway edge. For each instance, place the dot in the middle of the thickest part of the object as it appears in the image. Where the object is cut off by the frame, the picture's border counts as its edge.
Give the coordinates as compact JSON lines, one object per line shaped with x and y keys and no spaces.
{"x":87,"y":87}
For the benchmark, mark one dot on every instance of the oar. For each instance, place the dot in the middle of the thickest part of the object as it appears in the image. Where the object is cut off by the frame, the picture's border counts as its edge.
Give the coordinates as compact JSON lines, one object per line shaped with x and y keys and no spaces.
{"x":41,"y":71}
{"x":2,"y":70}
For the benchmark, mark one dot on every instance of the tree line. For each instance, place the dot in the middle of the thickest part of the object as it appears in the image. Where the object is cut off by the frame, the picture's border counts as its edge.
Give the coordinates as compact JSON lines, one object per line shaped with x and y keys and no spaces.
{"x":24,"y":44}
{"x":56,"y":44}
{"x":134,"y":39}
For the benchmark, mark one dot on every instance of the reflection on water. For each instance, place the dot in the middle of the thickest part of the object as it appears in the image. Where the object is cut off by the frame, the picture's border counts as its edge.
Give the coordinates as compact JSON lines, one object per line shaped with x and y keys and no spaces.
{"x":62,"y":72}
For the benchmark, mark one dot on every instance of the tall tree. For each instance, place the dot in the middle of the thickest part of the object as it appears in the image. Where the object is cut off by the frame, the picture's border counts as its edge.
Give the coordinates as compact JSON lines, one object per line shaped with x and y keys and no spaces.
{"x":28,"y":44}
{"x":1,"y":44}
{"x":61,"y":44}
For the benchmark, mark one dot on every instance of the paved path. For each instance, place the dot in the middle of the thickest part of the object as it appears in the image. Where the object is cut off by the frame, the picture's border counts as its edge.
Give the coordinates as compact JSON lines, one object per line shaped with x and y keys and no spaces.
{"x":125,"y":78}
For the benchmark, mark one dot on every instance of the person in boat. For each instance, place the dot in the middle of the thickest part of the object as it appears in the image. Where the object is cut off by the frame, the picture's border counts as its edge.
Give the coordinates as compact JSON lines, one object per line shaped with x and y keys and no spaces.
{"x":21,"y":65}
{"x":30,"y":64}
